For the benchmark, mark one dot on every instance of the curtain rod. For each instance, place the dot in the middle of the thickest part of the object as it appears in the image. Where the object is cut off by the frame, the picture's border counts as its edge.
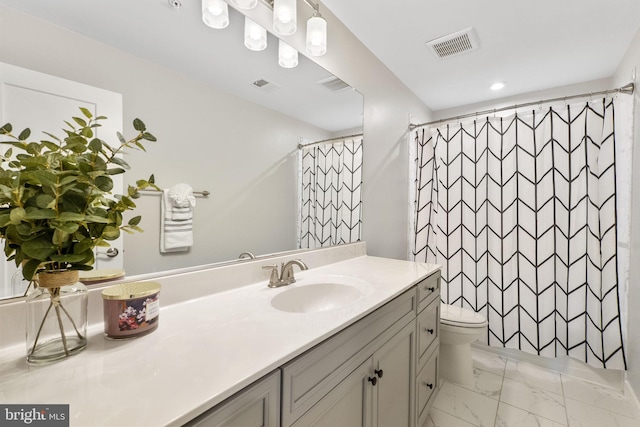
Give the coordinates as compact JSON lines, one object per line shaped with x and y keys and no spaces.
{"x":626,"y":89}
{"x":329,"y":140}
{"x":204,"y":193}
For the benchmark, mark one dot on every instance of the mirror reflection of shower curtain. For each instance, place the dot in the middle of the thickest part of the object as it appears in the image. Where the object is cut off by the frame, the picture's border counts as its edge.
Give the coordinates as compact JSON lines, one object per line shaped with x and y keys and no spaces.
{"x":331,"y":186}
{"x":521,"y":213}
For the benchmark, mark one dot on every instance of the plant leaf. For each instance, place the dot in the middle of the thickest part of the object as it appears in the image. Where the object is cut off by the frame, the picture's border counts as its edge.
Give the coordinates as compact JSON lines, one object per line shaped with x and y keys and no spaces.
{"x":139,"y":125}
{"x":40,"y":248}
{"x":86,"y":112}
{"x":135,"y":220}
{"x":24,"y":134}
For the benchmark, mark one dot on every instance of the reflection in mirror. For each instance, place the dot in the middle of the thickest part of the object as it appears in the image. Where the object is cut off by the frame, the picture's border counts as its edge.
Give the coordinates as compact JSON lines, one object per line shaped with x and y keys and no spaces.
{"x":194,"y":88}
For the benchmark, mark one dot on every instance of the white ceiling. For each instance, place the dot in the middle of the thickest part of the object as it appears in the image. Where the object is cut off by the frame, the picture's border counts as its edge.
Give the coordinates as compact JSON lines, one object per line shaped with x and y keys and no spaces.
{"x":528,"y":44}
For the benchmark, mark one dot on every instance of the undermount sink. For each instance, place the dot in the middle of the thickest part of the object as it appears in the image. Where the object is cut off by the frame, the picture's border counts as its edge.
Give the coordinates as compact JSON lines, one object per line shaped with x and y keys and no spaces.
{"x":312,"y":295}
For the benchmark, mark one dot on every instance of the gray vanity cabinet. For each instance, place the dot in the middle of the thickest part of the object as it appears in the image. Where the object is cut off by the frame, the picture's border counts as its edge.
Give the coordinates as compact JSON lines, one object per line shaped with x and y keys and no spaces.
{"x":377,"y":393}
{"x":428,"y":332}
{"x":348,"y":404}
{"x":393,"y":394}
{"x":258,"y":405}
{"x":372,"y":361}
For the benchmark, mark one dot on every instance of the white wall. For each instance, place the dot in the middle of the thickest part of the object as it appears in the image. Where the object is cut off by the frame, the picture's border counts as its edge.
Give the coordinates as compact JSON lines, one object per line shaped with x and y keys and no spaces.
{"x":242,"y":153}
{"x":624,"y":74}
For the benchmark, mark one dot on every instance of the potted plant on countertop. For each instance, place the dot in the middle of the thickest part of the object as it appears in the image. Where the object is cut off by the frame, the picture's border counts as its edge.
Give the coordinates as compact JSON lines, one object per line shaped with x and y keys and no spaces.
{"x":56,"y":206}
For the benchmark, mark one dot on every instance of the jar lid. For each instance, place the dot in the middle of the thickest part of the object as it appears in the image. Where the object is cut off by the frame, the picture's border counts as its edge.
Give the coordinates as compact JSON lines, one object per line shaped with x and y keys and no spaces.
{"x":131,"y":290}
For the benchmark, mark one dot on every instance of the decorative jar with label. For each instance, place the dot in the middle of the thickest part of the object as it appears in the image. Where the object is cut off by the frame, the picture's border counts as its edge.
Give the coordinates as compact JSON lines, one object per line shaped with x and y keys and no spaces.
{"x":131,"y":309}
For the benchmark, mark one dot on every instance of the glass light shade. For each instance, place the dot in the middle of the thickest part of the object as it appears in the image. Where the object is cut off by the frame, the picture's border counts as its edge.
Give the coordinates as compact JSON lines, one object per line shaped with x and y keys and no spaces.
{"x":215,"y":13}
{"x":255,"y":37}
{"x":316,"y":36}
{"x":284,"y":17}
{"x":287,"y":56}
{"x":244,"y":4}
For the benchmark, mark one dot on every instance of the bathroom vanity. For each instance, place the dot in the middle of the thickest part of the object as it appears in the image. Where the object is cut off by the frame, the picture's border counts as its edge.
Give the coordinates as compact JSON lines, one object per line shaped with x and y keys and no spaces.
{"x":231,"y":358}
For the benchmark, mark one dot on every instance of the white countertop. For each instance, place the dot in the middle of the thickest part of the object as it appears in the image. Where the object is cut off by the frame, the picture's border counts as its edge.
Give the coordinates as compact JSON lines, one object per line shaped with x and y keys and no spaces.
{"x":203,"y":351}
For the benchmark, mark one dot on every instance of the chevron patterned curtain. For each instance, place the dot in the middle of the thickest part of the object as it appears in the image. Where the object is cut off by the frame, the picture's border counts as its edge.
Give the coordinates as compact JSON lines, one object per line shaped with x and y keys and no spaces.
{"x":331,"y":184}
{"x":521,"y":214}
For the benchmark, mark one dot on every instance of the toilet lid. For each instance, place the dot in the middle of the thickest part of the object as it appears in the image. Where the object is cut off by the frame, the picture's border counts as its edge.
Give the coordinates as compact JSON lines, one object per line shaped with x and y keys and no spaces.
{"x":453,"y":315}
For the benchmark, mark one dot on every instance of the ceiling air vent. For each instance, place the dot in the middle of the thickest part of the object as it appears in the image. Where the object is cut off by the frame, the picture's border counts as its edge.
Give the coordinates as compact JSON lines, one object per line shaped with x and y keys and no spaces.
{"x":334,"y":84}
{"x":265,"y":85}
{"x":455,"y":43}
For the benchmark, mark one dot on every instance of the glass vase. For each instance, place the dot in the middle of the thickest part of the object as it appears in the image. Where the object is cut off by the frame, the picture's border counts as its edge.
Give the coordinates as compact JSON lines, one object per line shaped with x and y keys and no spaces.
{"x":56,"y":317}
{"x":19,"y":285}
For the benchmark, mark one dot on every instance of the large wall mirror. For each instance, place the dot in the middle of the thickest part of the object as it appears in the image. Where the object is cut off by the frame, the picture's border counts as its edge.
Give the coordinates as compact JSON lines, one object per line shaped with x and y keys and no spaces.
{"x":194,"y":88}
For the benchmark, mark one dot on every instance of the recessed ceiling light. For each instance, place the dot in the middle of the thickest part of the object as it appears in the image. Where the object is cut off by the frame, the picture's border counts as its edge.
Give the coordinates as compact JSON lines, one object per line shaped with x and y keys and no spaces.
{"x":497,"y":86}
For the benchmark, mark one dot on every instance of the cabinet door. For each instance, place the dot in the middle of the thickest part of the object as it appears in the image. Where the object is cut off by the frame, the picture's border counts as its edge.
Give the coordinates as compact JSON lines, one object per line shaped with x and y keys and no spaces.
{"x":256,"y":406}
{"x":347,"y":405}
{"x":394,"y":365}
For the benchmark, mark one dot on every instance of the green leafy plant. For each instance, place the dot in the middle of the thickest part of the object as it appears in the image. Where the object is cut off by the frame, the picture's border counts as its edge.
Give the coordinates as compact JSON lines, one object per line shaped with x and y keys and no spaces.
{"x":56,"y":200}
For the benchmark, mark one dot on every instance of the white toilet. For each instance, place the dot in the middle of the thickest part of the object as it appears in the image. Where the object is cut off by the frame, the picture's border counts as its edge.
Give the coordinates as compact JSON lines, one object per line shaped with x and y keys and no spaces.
{"x":459,"y":327}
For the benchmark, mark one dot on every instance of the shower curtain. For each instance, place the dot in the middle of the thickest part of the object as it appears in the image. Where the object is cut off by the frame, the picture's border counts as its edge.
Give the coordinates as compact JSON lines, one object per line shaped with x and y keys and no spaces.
{"x":520,"y":211}
{"x":330,"y":185}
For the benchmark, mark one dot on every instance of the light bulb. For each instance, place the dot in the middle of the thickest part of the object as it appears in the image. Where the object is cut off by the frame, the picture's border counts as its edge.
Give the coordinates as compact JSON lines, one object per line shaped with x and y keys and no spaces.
{"x":316,"y":36}
{"x":284,"y":17}
{"x":255,"y":37}
{"x":287,"y":56}
{"x":215,"y":13}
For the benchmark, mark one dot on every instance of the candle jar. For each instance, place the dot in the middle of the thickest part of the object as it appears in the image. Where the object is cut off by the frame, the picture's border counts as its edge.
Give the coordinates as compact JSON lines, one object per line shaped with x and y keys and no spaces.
{"x":131,"y":309}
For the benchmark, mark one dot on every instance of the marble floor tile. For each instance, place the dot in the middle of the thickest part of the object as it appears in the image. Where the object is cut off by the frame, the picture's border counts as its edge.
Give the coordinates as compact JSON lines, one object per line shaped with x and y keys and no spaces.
{"x":486,"y":383}
{"x":581,"y":414}
{"x":438,"y":418}
{"x":462,"y":403}
{"x":599,"y":396}
{"x":510,"y":416}
{"x":488,"y":362}
{"x":534,"y":376}
{"x":537,"y":401}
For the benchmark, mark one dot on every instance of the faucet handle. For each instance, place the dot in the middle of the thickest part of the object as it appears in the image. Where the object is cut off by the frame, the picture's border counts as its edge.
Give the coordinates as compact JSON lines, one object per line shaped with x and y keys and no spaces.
{"x":273,"y":278}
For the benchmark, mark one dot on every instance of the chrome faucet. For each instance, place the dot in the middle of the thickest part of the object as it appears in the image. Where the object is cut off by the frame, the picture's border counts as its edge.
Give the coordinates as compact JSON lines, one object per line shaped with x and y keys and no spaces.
{"x":246,"y":255}
{"x":286,"y":273}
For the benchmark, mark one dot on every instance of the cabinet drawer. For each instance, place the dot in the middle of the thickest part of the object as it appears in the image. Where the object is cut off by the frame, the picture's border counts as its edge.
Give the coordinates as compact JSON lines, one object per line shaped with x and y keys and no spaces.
{"x":428,"y":330}
{"x":308,"y":378}
{"x":428,"y":290}
{"x":257,"y":405}
{"x":427,"y":385}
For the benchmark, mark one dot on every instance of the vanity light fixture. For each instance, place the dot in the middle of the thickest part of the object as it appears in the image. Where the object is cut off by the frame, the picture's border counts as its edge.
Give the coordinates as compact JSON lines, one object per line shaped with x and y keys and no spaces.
{"x":215,"y":13}
{"x":287,"y":56}
{"x":316,"y":33}
{"x":497,"y":86}
{"x":244,"y":4}
{"x":285,"y":17}
{"x":255,"y":36}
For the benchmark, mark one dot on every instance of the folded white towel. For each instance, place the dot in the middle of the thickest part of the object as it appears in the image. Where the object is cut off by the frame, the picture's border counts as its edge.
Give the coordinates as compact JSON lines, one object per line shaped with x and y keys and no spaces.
{"x":176,"y":219}
{"x":181,"y":196}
